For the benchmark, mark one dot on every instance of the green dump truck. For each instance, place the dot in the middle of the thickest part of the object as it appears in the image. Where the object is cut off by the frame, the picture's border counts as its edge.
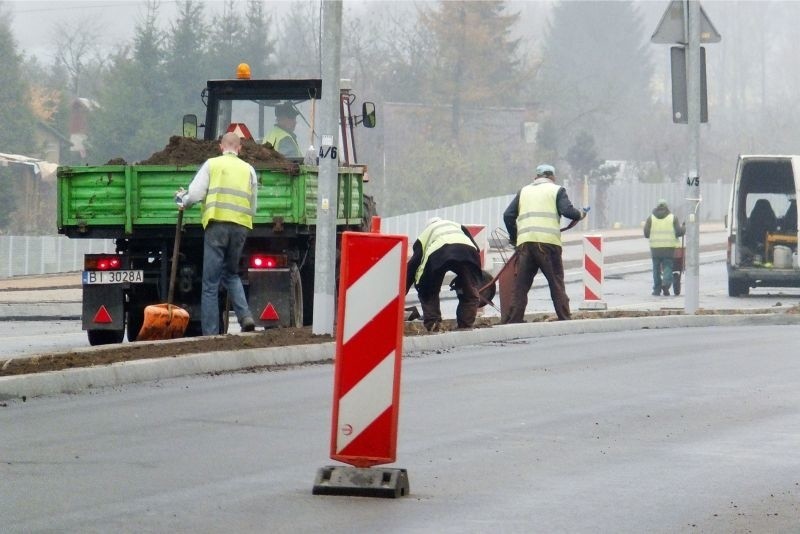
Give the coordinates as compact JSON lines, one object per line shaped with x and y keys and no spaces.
{"x":134,"y":205}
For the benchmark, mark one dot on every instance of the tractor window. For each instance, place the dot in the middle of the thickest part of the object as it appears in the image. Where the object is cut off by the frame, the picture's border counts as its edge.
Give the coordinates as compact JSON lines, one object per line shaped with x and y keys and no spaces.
{"x":259,"y":117}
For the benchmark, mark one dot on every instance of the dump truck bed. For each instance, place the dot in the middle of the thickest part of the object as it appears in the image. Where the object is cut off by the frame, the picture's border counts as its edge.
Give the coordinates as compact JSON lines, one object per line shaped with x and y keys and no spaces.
{"x":117,"y":201}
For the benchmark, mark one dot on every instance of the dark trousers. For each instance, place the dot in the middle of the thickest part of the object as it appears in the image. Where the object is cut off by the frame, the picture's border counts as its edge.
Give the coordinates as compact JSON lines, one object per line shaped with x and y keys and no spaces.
{"x":431,"y":284}
{"x":662,"y":271}
{"x":531,"y":257}
{"x":222,"y":248}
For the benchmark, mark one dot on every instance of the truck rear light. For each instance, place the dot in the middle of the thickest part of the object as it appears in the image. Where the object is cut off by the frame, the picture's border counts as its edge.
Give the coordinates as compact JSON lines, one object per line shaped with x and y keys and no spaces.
{"x":102,"y":263}
{"x":268,"y":261}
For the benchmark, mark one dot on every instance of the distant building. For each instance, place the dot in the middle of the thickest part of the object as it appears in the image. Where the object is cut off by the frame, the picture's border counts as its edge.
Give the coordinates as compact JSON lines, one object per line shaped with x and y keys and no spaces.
{"x":79,"y":124}
{"x":51,"y":143}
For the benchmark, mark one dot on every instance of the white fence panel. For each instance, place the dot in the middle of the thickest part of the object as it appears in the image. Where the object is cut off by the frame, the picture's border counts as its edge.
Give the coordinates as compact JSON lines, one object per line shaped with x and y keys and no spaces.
{"x":27,"y":255}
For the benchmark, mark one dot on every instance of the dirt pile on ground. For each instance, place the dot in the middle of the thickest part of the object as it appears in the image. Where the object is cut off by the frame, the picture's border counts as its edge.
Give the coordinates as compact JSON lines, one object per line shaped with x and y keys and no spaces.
{"x":186,"y":151}
{"x":276,"y":337}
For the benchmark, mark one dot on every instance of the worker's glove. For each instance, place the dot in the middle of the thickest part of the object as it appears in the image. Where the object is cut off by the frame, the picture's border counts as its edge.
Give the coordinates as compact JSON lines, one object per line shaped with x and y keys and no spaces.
{"x":585,"y":211}
{"x":180,"y":197}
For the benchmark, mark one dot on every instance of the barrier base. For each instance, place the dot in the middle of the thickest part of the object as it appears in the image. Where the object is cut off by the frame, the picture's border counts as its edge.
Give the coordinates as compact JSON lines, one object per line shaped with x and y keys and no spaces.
{"x":593,"y":305}
{"x":361,"y":482}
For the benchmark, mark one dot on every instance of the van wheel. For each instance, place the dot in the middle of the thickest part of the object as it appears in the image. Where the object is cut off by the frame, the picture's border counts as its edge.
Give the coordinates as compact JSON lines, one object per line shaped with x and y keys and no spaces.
{"x":737,"y":288}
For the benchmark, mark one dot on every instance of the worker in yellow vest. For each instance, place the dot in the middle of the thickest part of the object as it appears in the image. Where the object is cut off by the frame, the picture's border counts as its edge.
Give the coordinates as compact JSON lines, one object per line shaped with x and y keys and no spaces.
{"x":282,"y":136}
{"x":445,"y":246}
{"x":227,"y":187}
{"x":533,"y":221}
{"x":663,"y":230}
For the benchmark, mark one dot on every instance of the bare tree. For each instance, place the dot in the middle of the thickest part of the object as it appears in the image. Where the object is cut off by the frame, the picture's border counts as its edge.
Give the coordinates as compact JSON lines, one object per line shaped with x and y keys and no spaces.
{"x":76,"y":50}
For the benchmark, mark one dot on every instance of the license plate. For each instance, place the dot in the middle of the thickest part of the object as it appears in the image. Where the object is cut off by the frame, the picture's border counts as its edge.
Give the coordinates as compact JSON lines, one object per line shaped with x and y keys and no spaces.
{"x":113,"y":277}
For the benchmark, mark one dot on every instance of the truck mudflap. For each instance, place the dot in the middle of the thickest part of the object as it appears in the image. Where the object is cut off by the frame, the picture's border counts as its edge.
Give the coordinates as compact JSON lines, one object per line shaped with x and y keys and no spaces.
{"x":103,"y":307}
{"x":276,"y":297}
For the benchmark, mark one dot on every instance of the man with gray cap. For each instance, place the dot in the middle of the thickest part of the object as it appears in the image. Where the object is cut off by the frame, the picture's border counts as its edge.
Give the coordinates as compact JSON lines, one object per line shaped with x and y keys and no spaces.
{"x":663,"y":230}
{"x":281,"y":136}
{"x":533,"y":221}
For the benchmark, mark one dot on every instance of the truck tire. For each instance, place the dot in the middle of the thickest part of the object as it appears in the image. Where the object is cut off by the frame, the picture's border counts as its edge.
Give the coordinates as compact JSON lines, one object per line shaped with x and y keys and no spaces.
{"x":307,"y":283}
{"x":296,"y":316}
{"x":105,"y":337}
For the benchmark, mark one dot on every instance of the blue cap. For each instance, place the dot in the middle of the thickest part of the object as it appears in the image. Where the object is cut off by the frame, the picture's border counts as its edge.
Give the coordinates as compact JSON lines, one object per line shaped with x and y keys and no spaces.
{"x":542,"y":169}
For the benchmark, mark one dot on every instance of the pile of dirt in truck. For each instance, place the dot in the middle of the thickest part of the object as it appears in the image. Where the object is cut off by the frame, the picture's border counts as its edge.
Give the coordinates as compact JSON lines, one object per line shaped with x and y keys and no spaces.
{"x":186,"y":151}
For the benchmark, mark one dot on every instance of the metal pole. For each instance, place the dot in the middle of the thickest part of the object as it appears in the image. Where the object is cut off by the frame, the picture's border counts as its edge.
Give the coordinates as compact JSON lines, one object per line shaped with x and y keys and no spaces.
{"x":692,"y":295}
{"x":327,"y":201}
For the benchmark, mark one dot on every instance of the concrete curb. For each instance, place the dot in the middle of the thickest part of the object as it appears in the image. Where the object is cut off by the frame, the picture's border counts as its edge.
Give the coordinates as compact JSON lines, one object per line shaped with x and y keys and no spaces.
{"x":76,"y":380}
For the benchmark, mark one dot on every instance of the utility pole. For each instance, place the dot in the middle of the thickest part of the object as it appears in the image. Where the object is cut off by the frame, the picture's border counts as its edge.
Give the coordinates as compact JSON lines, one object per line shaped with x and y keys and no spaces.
{"x":327,"y":199}
{"x":686,"y":24}
{"x":693,"y":197}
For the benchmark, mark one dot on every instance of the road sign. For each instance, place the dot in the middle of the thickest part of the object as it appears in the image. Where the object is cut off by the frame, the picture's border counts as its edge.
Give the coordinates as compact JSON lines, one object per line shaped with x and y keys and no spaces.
{"x":680,"y":101}
{"x":672,"y":27}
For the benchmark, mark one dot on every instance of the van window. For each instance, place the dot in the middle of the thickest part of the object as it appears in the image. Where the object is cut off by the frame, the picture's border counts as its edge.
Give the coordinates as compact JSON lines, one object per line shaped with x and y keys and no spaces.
{"x":778,"y":202}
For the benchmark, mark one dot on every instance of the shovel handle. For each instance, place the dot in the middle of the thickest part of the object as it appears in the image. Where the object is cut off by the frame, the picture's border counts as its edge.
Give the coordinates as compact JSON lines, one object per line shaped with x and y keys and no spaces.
{"x":175,"y":250}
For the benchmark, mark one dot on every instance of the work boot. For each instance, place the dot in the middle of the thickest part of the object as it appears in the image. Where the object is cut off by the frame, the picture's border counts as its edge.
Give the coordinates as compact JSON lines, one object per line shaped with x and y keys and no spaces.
{"x":666,"y":291}
{"x":248,"y":324}
{"x":655,"y":293}
{"x":436,"y":326}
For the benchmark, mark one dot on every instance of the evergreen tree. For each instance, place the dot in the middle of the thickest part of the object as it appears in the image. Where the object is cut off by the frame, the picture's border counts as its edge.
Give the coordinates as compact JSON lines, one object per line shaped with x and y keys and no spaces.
{"x":475,"y":62}
{"x":135,"y":117}
{"x":227,"y":35}
{"x":595,"y":76}
{"x":297,"y":48}
{"x":17,"y":119}
{"x":187,"y":58}
{"x":257,"y":47}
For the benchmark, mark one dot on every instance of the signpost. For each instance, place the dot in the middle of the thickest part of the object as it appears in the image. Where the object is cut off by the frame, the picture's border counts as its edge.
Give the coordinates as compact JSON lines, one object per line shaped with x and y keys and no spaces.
{"x":685,"y":23}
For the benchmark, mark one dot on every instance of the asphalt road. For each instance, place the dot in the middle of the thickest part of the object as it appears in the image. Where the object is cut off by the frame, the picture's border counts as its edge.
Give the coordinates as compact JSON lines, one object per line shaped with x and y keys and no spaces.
{"x":690,"y":430}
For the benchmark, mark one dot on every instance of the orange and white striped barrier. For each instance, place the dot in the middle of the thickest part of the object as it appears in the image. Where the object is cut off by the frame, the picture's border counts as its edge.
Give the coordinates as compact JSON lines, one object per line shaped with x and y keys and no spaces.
{"x":369,"y":337}
{"x":593,"y":273}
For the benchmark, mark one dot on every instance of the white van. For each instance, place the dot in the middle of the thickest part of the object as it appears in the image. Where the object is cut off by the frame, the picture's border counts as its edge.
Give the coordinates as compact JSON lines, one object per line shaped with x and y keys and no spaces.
{"x":762,"y":224}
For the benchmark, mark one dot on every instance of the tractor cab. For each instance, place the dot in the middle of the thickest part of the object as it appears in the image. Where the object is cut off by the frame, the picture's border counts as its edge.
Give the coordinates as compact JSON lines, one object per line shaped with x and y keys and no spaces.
{"x":253,"y":109}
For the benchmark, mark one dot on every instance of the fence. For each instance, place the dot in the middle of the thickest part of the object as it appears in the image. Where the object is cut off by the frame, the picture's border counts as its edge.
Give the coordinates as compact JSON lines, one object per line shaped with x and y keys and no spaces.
{"x":24,"y":255}
{"x":628,"y":206}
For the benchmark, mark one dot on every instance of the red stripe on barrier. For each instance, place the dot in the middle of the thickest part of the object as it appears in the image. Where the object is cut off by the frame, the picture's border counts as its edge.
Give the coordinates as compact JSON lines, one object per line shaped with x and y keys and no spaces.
{"x":365,"y":351}
{"x":588,"y":294}
{"x":593,"y":269}
{"x":362,"y":257}
{"x":373,"y":438}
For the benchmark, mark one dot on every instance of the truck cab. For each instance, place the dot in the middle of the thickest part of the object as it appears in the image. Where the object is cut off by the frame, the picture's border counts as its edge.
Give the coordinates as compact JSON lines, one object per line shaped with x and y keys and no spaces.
{"x":249,"y":107}
{"x":762,"y":224}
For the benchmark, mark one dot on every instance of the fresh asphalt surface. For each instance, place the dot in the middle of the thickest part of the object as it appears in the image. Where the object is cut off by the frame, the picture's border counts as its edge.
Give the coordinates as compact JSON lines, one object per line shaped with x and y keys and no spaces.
{"x":622,"y":293}
{"x":641,"y":431}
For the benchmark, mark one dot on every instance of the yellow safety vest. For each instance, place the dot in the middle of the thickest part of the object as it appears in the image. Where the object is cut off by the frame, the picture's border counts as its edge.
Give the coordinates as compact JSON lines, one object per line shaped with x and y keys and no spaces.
{"x":538,"y":220}
{"x":662,"y":232}
{"x":437,"y":235}
{"x":229,"y":191}
{"x":276,"y":135}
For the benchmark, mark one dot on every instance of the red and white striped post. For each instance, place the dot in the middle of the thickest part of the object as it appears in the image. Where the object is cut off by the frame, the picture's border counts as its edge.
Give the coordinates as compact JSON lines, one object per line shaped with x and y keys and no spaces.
{"x":593,"y":273}
{"x":369,"y":341}
{"x":481,"y":237}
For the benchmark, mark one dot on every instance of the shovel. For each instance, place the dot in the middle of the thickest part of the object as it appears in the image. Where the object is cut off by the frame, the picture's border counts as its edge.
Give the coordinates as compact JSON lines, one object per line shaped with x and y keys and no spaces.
{"x":166,"y":321}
